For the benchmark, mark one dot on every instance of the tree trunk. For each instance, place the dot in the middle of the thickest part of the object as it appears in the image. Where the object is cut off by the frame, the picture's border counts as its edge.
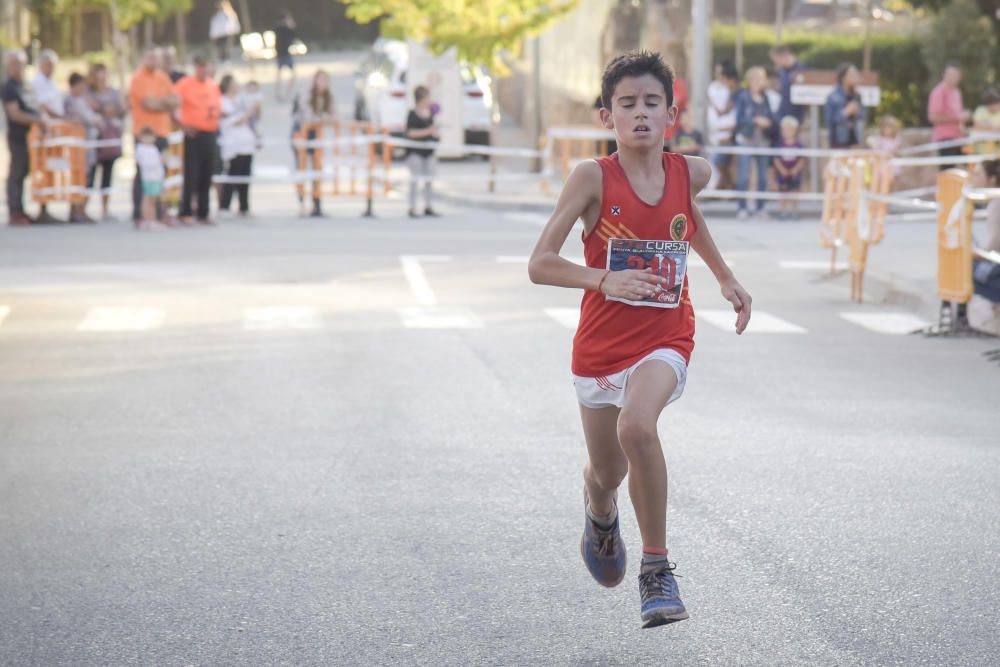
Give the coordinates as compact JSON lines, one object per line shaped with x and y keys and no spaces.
{"x":180,"y":24}
{"x":147,"y":33}
{"x":245,"y":23}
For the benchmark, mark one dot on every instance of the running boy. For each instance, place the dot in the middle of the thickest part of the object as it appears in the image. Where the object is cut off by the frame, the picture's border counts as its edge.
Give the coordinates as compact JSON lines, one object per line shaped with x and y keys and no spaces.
{"x":636,"y":331}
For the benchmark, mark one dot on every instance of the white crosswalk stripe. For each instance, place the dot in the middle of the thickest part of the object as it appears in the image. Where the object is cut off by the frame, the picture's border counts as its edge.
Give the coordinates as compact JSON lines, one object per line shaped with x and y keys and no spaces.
{"x":281,"y":317}
{"x":4,"y":312}
{"x":117,"y":318}
{"x":567,"y":317}
{"x":887,"y":323}
{"x":439,"y":318}
{"x":415,"y":276}
{"x":760,"y":322}
{"x":810,"y":265}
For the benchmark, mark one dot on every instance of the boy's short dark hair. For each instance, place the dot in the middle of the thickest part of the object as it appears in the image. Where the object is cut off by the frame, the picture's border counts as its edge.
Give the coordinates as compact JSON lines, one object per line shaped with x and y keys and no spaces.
{"x":420,"y":93}
{"x":75,"y":78}
{"x":636,"y":63}
{"x":147,"y":131}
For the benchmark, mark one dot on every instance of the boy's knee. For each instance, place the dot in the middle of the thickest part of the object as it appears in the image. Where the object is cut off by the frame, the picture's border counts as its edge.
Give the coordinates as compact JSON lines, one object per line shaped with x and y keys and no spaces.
{"x":607,"y":477}
{"x":636,"y":434}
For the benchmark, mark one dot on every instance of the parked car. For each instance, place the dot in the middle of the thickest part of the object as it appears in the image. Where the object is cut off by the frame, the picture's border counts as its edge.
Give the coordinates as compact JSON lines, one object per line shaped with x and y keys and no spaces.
{"x":381,"y":95}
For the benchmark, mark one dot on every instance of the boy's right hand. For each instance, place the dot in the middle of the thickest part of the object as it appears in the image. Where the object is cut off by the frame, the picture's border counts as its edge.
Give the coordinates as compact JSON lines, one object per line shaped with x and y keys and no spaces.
{"x":631,"y":284}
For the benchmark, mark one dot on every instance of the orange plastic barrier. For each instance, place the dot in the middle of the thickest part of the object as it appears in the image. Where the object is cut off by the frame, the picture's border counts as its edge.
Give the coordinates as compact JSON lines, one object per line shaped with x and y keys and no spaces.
{"x":173,"y":162}
{"x":954,"y":237}
{"x":848,"y":218}
{"x":307,"y":156}
{"x":58,"y":170}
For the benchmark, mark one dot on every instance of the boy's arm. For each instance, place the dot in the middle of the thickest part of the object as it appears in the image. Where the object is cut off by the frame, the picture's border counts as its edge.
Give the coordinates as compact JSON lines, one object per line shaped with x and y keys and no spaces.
{"x":704,"y":245}
{"x":579,"y":196}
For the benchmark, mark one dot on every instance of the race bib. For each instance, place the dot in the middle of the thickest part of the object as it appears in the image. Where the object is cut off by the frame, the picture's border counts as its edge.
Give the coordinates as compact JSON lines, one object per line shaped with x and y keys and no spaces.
{"x":667,"y":259}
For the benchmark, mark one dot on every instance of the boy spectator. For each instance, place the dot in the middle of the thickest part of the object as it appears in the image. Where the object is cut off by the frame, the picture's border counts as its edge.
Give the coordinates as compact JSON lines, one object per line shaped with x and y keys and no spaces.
{"x":788,"y":67}
{"x":152,"y":98}
{"x":688,"y":140}
{"x":946,"y":112}
{"x":200,"y":102}
{"x":20,"y":118}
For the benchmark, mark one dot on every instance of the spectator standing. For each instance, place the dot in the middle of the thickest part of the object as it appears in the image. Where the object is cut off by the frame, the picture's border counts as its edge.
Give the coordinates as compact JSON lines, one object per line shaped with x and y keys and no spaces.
{"x":946,"y":112}
{"x":788,"y":67}
{"x":843,"y":111}
{"x":986,"y":118}
{"x":51,"y":103}
{"x":149,"y":165}
{"x":984,"y":308}
{"x":284,"y":37}
{"x":688,"y":140}
{"x":681,"y":102}
{"x":754,"y":126}
{"x":420,"y":126}
{"x":153,"y":102}
{"x":200,"y":100}
{"x":225,"y":24}
{"x":20,"y":118}
{"x":773,"y":93}
{"x":170,"y":64}
{"x":609,"y":145}
{"x":722,"y":117}
{"x":317,"y":111}
{"x":80,"y":111}
{"x":788,"y":168}
{"x":237,"y":141}
{"x":111,"y":110}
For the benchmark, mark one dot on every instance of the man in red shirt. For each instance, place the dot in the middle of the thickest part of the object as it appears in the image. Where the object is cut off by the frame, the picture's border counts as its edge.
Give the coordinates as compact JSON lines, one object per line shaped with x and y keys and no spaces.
{"x":945,"y":110}
{"x":199,"y":115}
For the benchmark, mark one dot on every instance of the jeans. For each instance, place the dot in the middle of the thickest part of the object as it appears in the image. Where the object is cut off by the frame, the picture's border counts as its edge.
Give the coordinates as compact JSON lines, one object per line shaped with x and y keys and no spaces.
{"x":19,"y":168}
{"x":199,"y":165}
{"x":238,"y":166}
{"x":743,"y":176}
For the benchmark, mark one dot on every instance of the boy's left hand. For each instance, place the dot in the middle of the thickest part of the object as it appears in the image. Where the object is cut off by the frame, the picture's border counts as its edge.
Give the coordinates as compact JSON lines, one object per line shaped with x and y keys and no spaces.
{"x":734,"y":293}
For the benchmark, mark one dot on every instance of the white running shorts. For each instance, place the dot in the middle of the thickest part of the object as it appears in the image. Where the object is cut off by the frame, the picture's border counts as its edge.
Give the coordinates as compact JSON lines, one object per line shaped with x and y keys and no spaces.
{"x":605,"y":391}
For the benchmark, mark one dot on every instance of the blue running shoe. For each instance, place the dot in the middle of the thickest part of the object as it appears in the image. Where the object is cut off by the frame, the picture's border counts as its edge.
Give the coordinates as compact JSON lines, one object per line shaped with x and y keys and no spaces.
{"x":661,"y":601}
{"x":603,"y":550}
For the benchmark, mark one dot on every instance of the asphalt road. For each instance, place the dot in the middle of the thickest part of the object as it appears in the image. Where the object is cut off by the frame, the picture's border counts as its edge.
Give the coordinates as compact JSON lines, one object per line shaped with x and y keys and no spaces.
{"x":355,"y":442}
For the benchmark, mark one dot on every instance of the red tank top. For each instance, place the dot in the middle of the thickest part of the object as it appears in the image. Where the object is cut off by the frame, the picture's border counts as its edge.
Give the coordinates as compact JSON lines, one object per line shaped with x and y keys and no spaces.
{"x":613,"y":335}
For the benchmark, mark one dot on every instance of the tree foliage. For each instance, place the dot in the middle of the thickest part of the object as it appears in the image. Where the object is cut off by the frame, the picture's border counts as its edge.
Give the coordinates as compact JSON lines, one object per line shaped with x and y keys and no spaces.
{"x":962,"y":33}
{"x":480,"y":30}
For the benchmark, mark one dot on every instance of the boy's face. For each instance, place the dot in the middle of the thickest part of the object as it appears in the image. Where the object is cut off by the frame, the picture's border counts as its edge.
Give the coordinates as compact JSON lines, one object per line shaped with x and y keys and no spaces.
{"x":639,"y":113}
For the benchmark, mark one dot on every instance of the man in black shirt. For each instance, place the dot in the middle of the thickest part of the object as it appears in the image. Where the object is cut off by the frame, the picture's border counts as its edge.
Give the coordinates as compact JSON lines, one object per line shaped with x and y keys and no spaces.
{"x":20,"y":118}
{"x":284,"y":37}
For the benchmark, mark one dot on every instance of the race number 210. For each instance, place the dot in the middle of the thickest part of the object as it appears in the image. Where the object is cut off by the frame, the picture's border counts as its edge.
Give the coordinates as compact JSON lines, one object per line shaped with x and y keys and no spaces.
{"x":665,"y":267}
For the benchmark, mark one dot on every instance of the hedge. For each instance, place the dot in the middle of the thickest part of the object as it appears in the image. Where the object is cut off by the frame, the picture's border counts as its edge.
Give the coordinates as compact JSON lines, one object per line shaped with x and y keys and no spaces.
{"x":903,"y":75}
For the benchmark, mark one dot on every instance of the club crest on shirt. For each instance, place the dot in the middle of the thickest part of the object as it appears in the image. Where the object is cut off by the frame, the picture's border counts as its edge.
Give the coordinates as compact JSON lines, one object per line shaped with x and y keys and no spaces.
{"x":616,"y":210}
{"x":678,"y":227}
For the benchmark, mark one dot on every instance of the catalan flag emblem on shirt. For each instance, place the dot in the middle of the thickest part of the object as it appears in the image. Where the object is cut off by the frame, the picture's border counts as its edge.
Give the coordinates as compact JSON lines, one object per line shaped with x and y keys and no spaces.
{"x":611,"y":230}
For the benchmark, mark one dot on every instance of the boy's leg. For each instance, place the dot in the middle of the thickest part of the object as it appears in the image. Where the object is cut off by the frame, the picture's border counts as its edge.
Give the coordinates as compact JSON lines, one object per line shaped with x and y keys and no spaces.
{"x":606,"y":465}
{"x":646,"y":394}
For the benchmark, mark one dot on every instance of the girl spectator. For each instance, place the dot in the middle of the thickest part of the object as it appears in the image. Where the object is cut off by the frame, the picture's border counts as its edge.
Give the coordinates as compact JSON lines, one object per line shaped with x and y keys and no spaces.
{"x":420,"y":126}
{"x":722,"y":118}
{"x":843,"y":112}
{"x":789,"y":167}
{"x":313,"y":114}
{"x":78,"y":110}
{"x":986,"y":119}
{"x":754,"y":125}
{"x":887,"y":140}
{"x":110,"y":107}
{"x":149,"y":163}
{"x":237,"y":143}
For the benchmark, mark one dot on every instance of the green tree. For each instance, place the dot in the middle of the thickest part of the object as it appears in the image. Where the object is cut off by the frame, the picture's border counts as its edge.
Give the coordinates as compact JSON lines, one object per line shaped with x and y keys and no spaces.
{"x":962,"y":33}
{"x":479,"y":31}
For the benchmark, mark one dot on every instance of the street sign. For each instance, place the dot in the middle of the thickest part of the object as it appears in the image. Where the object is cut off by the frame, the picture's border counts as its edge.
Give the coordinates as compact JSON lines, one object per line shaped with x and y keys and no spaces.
{"x":812,"y":87}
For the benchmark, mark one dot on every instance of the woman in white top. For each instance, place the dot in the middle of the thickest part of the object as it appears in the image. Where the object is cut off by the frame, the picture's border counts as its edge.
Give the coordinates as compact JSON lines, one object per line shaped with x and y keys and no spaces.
{"x":722,"y":115}
{"x":225,"y":24}
{"x":237,"y":143}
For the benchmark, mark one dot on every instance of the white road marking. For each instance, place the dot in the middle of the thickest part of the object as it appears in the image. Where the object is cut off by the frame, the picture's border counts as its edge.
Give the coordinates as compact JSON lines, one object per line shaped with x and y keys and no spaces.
{"x":810,"y":265}
{"x":415,"y":276}
{"x":281,"y":317}
{"x":568,"y":317}
{"x":894,"y":324}
{"x":760,"y":322}
{"x":116,"y":318}
{"x":4,"y":312}
{"x":532,"y":218}
{"x":695,"y":260}
{"x":439,"y":318}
